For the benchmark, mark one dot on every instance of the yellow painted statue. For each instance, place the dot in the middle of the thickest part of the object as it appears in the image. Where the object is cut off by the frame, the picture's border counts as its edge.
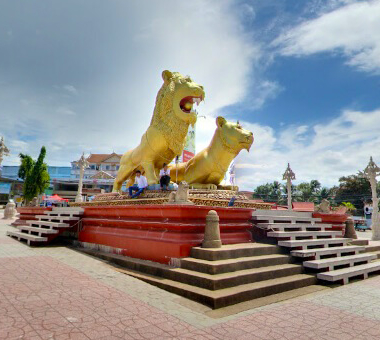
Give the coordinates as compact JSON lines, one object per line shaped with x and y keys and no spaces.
{"x":166,"y":135}
{"x":207,"y":168}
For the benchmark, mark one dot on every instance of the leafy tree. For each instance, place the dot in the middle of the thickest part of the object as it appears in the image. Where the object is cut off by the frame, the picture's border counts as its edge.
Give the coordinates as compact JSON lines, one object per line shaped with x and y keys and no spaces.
{"x":35,"y":175}
{"x":272,"y":192}
{"x":350,"y":207}
{"x":353,"y":189}
{"x":308,"y":192}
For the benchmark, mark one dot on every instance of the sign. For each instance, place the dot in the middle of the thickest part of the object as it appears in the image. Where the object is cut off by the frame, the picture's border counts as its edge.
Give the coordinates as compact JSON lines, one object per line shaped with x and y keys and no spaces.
{"x":5,"y":187}
{"x":187,"y":155}
{"x":189,"y":149}
{"x":48,"y":192}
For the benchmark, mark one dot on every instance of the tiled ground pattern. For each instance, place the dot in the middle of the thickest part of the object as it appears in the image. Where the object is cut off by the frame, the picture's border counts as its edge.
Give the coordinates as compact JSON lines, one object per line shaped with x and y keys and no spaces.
{"x":57,"y":293}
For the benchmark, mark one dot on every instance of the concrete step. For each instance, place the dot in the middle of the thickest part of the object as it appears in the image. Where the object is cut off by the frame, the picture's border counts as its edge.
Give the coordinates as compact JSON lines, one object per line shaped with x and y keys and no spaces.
{"x":281,"y":213}
{"x":371,"y":248}
{"x":290,"y":219}
{"x":359,"y":242}
{"x":228,"y":296}
{"x":317,"y":253}
{"x":303,"y":244}
{"x":230,"y":265}
{"x":29,"y":238}
{"x":38,"y":230}
{"x":346,"y":273}
{"x":55,"y":218}
{"x":48,"y":224}
{"x":377,"y":253}
{"x":293,"y":226}
{"x":67,"y":213}
{"x":232,"y":251}
{"x":232,"y":279}
{"x":330,"y":263}
{"x":310,"y":234}
{"x":68,"y":209}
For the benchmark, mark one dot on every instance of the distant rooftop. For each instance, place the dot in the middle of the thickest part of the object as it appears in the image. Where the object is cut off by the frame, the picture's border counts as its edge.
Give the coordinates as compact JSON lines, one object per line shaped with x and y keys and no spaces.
{"x":101,"y":157}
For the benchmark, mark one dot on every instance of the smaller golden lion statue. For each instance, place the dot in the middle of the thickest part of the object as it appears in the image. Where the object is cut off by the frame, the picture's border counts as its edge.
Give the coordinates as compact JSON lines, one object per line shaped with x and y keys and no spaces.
{"x":165,"y":137}
{"x":208,"y":167}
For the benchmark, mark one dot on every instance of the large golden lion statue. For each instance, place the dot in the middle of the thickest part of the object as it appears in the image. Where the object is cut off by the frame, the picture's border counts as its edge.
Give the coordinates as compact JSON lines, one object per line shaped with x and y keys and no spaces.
{"x":166,"y":135}
{"x":208,"y":167}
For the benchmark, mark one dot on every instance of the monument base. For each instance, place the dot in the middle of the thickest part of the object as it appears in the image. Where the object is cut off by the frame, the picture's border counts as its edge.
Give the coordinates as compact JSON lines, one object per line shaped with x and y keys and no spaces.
{"x":160,"y":233}
{"x":29,"y":213}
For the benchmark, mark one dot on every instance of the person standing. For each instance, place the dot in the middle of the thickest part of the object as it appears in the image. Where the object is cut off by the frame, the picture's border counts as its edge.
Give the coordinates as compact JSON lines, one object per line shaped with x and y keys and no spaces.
{"x":164,"y":177}
{"x":140,"y":184}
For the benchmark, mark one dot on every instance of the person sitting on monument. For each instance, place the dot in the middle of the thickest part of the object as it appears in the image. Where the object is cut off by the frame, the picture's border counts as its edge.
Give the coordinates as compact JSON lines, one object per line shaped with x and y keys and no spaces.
{"x":140,"y":184}
{"x":164,"y":177}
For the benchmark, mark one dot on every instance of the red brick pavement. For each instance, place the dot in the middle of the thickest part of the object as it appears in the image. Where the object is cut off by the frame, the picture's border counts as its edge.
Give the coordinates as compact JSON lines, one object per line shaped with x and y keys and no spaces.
{"x":42,"y":298}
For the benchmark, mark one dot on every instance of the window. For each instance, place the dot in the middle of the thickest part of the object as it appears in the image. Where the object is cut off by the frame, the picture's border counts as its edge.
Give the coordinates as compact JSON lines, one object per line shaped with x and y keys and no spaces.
{"x":92,"y":166}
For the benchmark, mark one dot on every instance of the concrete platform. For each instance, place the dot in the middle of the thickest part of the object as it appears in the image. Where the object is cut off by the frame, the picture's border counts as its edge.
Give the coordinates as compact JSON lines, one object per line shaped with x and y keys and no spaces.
{"x":325,"y":242}
{"x":23,"y":236}
{"x":38,"y":230}
{"x":48,"y":224}
{"x":293,"y":235}
{"x":293,"y":226}
{"x":330,"y":263}
{"x":337,"y":251}
{"x":347,"y":273}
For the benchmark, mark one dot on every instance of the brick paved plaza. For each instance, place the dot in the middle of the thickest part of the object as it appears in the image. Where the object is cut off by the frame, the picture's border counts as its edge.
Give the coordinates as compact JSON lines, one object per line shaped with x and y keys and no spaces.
{"x":58,"y":293}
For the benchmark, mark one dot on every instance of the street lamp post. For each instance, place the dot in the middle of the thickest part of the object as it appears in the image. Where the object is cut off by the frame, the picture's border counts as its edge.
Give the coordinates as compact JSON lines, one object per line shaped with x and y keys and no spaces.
{"x":289,"y":175}
{"x":370,"y":172}
{"x":82,"y":163}
{"x":4,"y":151}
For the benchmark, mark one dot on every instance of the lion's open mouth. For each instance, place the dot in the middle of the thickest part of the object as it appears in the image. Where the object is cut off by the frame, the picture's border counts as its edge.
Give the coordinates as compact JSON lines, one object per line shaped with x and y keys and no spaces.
{"x":186,"y":104}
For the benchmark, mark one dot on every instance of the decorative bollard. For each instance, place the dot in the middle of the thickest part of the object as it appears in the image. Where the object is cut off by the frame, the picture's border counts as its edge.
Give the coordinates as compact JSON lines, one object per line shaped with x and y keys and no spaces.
{"x":10,"y":210}
{"x":212,"y":232}
{"x":350,"y":229}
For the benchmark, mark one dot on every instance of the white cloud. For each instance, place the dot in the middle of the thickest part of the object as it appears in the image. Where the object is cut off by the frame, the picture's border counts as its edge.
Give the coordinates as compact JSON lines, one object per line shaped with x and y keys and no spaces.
{"x":353,"y":30}
{"x":340,"y":147}
{"x":65,"y":111}
{"x":119,"y":72}
{"x":70,"y":88}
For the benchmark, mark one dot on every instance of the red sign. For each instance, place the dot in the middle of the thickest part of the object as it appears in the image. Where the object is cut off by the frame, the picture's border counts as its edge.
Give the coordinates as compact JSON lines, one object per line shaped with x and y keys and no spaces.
{"x":186,"y":155}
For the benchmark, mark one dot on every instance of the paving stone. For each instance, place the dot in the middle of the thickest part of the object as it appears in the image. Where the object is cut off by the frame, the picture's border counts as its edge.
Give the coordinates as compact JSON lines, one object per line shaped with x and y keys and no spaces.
{"x":58,"y":293}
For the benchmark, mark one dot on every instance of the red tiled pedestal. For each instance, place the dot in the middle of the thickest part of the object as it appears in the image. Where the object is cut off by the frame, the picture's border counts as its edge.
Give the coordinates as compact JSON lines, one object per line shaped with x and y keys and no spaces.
{"x":29,"y":213}
{"x":336,"y":220}
{"x":160,"y":232}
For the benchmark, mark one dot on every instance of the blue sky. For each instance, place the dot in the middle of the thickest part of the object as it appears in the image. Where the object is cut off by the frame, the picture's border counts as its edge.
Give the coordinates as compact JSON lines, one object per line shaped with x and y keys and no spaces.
{"x":303,"y":76}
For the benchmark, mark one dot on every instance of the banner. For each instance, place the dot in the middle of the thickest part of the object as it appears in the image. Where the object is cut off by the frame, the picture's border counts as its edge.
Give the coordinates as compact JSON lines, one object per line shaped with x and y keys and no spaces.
{"x":5,"y":187}
{"x":189,"y":149}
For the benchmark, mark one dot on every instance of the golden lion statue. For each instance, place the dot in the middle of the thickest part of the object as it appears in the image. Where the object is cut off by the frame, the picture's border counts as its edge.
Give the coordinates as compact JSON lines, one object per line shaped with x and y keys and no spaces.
{"x":207,"y":168}
{"x":165,"y":137}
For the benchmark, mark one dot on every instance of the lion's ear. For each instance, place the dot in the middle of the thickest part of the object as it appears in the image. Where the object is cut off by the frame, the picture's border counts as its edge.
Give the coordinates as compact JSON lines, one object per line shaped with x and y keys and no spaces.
{"x":220,"y":121}
{"x":167,"y":75}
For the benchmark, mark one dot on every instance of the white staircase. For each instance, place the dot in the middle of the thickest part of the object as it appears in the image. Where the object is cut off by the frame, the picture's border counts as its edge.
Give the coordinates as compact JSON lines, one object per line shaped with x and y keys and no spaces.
{"x":48,"y":226}
{"x":322,"y":250}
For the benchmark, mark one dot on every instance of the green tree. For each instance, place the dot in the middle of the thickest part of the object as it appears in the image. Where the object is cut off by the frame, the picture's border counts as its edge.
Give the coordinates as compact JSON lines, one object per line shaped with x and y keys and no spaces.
{"x":308,"y":192}
{"x":353,"y":189}
{"x":350,"y":207}
{"x":270,"y":192}
{"x":35,"y":175}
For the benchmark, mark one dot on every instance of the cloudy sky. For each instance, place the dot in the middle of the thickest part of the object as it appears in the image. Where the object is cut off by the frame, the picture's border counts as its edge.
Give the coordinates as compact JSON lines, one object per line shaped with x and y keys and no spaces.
{"x":303,"y":76}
